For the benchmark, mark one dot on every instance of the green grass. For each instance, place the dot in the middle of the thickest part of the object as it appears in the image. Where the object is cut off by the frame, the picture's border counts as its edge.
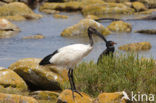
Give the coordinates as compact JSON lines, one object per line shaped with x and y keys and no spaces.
{"x":123,"y":72}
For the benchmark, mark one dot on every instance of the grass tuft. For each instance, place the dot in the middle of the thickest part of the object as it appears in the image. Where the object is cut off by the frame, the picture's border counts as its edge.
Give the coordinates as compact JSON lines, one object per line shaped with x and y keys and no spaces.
{"x":123,"y":72}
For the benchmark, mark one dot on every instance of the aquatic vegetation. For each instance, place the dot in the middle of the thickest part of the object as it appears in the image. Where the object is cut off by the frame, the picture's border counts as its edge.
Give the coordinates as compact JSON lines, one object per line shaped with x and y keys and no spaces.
{"x":123,"y":72}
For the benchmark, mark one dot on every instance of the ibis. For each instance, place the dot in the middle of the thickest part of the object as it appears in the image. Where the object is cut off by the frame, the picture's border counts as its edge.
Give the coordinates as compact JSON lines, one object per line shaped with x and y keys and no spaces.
{"x":69,"y":56}
{"x":108,"y":51}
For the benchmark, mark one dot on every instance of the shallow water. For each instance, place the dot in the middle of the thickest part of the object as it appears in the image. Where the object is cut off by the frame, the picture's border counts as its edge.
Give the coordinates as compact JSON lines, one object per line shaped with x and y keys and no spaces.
{"x":16,"y":48}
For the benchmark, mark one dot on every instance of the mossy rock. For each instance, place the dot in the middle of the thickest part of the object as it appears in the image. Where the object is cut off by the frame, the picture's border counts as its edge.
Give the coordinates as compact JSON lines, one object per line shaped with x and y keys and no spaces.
{"x":39,"y":77}
{"x":7,"y":29}
{"x":147,"y":31}
{"x":58,"y":16}
{"x":120,"y":26}
{"x":106,"y":8}
{"x":67,"y":6}
{"x":17,"y":9}
{"x":82,"y":27}
{"x":13,"y":98}
{"x":37,"y":36}
{"x":48,"y":11}
{"x":117,"y":97}
{"x":148,"y":11}
{"x":41,"y":96}
{"x":66,"y":97}
{"x":1,"y":68}
{"x":92,"y":17}
{"x":11,"y":82}
{"x":138,"y":6}
{"x":136,"y":46}
{"x":149,"y":3}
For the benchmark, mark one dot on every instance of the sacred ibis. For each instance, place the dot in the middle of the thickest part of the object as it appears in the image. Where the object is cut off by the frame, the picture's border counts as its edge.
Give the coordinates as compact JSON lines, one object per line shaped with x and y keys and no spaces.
{"x":109,"y":50}
{"x":69,"y":56}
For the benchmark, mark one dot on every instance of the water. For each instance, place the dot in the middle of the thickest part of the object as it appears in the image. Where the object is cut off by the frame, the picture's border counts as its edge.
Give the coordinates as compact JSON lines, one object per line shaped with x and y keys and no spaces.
{"x":16,"y":48}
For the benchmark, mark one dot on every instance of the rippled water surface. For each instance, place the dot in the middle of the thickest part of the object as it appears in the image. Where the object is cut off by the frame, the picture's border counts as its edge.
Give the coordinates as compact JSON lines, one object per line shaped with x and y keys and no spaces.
{"x":16,"y":48}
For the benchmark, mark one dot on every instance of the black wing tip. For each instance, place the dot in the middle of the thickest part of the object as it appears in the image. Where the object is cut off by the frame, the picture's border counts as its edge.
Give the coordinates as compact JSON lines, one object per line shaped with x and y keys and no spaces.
{"x":46,"y":60}
{"x":43,"y":63}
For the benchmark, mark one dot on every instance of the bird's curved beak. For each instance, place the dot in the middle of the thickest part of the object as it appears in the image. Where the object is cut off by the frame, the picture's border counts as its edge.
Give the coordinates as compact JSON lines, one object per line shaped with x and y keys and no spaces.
{"x":114,"y":43}
{"x":101,"y":36}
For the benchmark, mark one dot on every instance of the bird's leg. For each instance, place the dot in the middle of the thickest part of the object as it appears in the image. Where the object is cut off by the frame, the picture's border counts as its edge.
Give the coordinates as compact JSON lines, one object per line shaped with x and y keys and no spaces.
{"x":73,"y":83}
{"x":70,"y":80}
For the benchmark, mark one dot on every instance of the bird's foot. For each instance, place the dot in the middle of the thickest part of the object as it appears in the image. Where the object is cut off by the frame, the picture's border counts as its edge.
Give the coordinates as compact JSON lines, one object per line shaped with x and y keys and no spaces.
{"x":76,"y":92}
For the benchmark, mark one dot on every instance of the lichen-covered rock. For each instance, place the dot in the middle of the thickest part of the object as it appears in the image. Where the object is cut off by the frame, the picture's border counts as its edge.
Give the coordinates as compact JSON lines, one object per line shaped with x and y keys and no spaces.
{"x":13,"y":98}
{"x":67,"y":6}
{"x":92,"y":17}
{"x":19,"y":10}
{"x":49,"y":96}
{"x":138,"y":6}
{"x":136,"y":46}
{"x":117,"y":97}
{"x":7,"y":29}
{"x":66,"y":97}
{"x":60,"y":16}
{"x":1,"y":68}
{"x":48,"y":11}
{"x":10,"y":82}
{"x":120,"y":26}
{"x":82,"y":27}
{"x":106,"y":8}
{"x":37,"y":36}
{"x":39,"y":77}
{"x":149,"y":3}
{"x":149,"y":11}
{"x":147,"y":31}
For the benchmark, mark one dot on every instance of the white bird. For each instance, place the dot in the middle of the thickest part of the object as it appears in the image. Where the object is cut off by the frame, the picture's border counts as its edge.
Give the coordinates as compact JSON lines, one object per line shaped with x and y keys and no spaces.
{"x":69,"y":56}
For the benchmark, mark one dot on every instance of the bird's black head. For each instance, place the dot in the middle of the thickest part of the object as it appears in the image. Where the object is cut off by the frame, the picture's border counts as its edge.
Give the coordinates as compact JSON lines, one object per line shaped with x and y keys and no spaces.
{"x":110,"y":43}
{"x":92,"y":30}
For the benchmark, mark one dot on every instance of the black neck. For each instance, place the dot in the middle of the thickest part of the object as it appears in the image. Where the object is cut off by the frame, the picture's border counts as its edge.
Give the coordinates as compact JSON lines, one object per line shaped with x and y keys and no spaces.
{"x":111,"y":49}
{"x":91,"y":42}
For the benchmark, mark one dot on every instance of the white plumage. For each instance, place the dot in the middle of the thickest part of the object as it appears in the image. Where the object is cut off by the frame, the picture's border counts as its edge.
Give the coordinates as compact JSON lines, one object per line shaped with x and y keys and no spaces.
{"x":69,"y":56}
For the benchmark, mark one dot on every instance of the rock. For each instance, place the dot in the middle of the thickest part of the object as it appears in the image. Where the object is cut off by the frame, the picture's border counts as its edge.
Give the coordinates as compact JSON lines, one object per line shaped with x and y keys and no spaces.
{"x":129,"y":4}
{"x":120,"y":26}
{"x":39,"y":77}
{"x":13,"y":98}
{"x":138,"y":6}
{"x":11,"y":82}
{"x":67,"y":6}
{"x":7,"y":29}
{"x":19,"y":10}
{"x":82,"y":26}
{"x":1,"y":68}
{"x":66,"y":97}
{"x":116,"y":1}
{"x":149,"y":11}
{"x":147,"y":31}
{"x":60,"y":16}
{"x":37,"y":36}
{"x":149,"y":3}
{"x":117,"y":97}
{"x":2,"y":3}
{"x":106,"y":8}
{"x":136,"y":46}
{"x":151,"y":16}
{"x":48,"y":11}
{"x":92,"y":17}
{"x":45,"y":96}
